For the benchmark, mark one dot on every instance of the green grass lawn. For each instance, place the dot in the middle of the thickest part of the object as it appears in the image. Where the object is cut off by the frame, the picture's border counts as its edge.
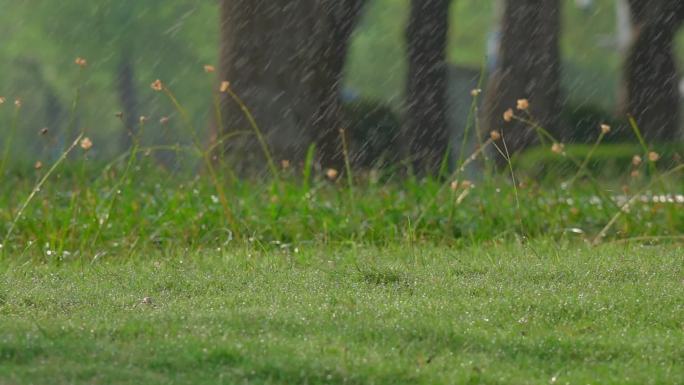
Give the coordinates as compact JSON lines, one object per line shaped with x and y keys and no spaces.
{"x":307,"y":276}
{"x":303,"y":276}
{"x":539,"y":313}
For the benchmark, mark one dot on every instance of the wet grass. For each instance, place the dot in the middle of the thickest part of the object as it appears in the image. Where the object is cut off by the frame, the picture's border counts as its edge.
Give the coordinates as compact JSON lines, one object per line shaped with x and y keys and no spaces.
{"x":181,"y":196}
{"x":83,"y":211}
{"x":163,"y":266}
{"x":494,"y":314}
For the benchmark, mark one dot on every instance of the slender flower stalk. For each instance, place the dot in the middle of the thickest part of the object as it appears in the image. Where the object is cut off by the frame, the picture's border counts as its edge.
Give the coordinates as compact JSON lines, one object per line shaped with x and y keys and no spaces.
{"x":37,"y":188}
{"x":158,"y":86}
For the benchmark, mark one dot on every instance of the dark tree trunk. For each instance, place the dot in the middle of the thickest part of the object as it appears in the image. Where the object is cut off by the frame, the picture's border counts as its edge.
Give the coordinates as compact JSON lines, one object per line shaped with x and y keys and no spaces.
{"x":529,"y":67}
{"x":264,"y":46}
{"x":426,"y":129}
{"x":125,"y":83}
{"x":651,"y":76}
{"x":284,"y":58}
{"x":336,"y":23}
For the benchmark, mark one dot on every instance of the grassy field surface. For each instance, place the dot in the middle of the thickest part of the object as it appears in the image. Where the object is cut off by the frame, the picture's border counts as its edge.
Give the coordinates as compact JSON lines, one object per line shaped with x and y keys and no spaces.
{"x":159,"y":263}
{"x":538,"y":313}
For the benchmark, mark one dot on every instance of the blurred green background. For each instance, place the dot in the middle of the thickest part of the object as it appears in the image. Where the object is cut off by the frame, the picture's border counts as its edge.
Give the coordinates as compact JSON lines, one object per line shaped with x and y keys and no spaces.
{"x":173,"y":39}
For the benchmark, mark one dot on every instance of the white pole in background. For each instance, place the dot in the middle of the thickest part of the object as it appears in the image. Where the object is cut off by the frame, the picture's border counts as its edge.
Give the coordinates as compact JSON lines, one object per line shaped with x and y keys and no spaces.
{"x":623,"y":26}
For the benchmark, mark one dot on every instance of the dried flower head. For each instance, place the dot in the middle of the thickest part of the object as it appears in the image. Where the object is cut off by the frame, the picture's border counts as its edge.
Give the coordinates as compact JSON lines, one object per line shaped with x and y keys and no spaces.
{"x":146,"y":301}
{"x":38,"y":165}
{"x":466,"y":184}
{"x":81,"y":62}
{"x":142,"y":119}
{"x":2,"y":100}
{"x":636,"y":160}
{"x":495,"y":135}
{"x":557,"y":148}
{"x":635,"y":173}
{"x":508,"y":115}
{"x":653,"y":156}
{"x":17,"y":103}
{"x":86,"y":144}
{"x":454,"y":185}
{"x":208,"y":68}
{"x":44,"y":131}
{"x":119,"y":115}
{"x":225,"y":86}
{"x":605,"y":129}
{"x":157,"y":85}
{"x":164,"y":120}
{"x":475,"y":92}
{"x":331,"y":173}
{"x":285,"y":164}
{"x":523,"y":104}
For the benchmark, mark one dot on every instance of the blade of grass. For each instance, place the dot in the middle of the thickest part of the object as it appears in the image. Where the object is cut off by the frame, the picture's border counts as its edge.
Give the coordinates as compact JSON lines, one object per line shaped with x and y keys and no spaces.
{"x":627,"y":204}
{"x":347,"y":165}
{"x":308,"y":167}
{"x":37,"y":188}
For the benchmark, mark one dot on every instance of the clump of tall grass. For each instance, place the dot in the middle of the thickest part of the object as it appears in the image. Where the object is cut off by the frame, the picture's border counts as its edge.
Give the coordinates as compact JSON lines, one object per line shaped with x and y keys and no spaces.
{"x":75,"y":210}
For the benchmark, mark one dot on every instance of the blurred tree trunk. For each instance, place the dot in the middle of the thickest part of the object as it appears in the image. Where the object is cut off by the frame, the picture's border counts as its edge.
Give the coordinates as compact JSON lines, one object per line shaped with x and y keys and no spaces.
{"x":651,"y":76}
{"x":125,"y":83}
{"x":284,"y":58}
{"x":426,"y":129}
{"x":261,"y":55}
{"x":335,"y":25}
{"x":529,"y":67}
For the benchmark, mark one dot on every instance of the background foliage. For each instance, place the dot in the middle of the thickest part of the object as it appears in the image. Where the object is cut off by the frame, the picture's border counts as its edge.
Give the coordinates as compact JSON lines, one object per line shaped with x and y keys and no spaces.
{"x":172,"y":39}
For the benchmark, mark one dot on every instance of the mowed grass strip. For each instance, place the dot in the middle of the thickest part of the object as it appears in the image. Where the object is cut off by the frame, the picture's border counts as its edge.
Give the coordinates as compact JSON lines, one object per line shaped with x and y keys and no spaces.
{"x":534,"y":314}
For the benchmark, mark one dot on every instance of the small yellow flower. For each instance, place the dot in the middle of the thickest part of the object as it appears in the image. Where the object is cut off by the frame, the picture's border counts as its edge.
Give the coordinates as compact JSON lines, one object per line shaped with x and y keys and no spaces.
{"x":332,"y":174}
{"x":81,"y":62}
{"x":653,"y":156}
{"x":625,"y":189}
{"x":523,"y":104}
{"x":557,"y":148}
{"x":495,"y":135}
{"x":225,"y":86}
{"x":605,"y":129}
{"x":636,"y":161}
{"x":475,"y":92}
{"x":38,"y":165}
{"x":508,"y":115}
{"x":157,"y":85}
{"x":208,"y":68}
{"x":86,"y":144}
